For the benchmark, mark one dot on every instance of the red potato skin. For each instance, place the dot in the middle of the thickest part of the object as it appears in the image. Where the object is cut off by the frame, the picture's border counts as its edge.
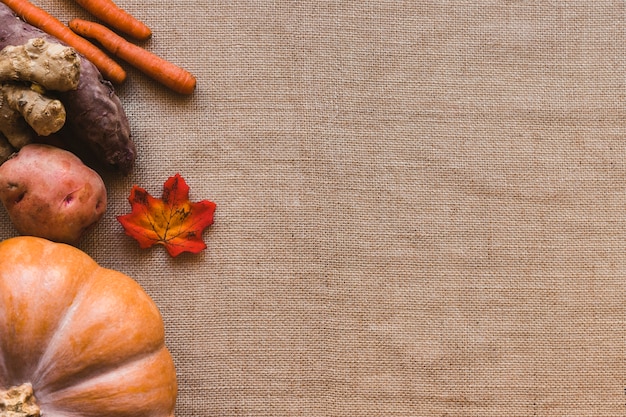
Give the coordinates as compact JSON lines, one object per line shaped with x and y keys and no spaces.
{"x":96,"y":126}
{"x":48,"y":192}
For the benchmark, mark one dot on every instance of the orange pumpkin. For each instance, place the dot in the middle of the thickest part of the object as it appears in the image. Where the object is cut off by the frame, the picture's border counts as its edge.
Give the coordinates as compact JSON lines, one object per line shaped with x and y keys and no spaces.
{"x":88,"y":340}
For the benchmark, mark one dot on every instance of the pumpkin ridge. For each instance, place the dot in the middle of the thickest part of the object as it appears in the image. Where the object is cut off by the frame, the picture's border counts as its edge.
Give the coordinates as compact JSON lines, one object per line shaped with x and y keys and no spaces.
{"x":95,"y":390}
{"x":89,"y":339}
{"x":95,"y":372}
{"x":22,"y":257}
{"x":52,"y":377}
{"x":46,"y":360}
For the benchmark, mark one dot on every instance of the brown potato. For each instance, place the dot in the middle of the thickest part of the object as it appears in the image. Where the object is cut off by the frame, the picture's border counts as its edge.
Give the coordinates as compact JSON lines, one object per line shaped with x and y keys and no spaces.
{"x":49,"y":192}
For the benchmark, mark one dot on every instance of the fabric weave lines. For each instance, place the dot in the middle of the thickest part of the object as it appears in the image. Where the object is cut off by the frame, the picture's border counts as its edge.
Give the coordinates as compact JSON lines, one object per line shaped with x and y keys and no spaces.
{"x":420,"y":205}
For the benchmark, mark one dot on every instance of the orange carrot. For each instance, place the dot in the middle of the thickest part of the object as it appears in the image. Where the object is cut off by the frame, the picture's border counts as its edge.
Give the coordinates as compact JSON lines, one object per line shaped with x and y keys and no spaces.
{"x":114,"y":16}
{"x":165,"y":72}
{"x":41,"y":19}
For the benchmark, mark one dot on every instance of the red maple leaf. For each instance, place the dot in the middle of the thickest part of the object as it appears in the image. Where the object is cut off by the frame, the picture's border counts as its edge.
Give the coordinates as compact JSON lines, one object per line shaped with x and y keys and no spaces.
{"x":172,"y":220}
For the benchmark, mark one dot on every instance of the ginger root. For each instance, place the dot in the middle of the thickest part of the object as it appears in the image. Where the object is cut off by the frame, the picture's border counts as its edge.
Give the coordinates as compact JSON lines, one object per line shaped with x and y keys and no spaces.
{"x":44,"y":114}
{"x":50,"y":65}
{"x":14,"y":128}
{"x":25,"y":112}
{"x":27,"y":71}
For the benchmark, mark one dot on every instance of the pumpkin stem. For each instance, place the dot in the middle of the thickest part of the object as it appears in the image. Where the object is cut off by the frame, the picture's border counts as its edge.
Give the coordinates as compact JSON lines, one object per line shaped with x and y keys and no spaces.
{"x":19,"y":402}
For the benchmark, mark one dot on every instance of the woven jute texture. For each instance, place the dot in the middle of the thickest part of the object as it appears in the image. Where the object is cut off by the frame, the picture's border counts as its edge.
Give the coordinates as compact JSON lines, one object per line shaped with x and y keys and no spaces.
{"x":421,"y":205}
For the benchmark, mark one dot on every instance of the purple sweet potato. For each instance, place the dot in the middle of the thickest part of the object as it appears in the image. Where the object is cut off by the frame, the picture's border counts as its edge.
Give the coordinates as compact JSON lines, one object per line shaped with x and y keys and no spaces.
{"x":96,"y":122}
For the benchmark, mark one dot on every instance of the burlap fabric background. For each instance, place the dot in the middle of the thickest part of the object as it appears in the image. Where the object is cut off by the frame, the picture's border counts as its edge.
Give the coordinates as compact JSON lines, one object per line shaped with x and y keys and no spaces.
{"x":421,"y":205}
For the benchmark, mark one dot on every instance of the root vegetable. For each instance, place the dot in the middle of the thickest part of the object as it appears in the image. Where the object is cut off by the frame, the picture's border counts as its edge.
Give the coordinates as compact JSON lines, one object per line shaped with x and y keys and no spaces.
{"x":165,"y":72}
{"x":114,"y":16}
{"x":50,"y":65}
{"x":48,"y":192}
{"x":24,"y":114}
{"x":25,"y":111}
{"x":14,"y":128}
{"x":44,"y":114}
{"x":96,"y":123}
{"x":49,"y":24}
